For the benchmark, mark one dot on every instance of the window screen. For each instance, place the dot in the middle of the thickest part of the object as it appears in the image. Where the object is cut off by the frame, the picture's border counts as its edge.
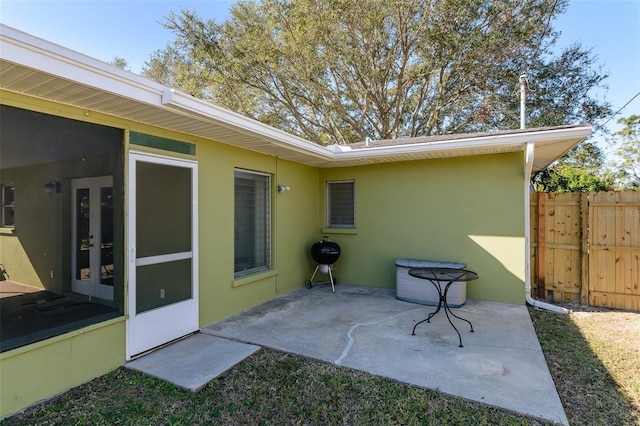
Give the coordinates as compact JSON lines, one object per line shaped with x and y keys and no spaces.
{"x":341,"y":204}
{"x":252,"y":241}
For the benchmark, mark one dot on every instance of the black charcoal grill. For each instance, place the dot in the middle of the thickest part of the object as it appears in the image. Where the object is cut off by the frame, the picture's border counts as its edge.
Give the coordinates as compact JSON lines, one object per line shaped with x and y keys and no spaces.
{"x":325,"y":253}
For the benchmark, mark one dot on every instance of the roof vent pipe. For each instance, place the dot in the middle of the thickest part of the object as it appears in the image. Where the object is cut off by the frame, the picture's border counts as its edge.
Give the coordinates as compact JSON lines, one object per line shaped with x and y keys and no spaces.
{"x":367,"y":141}
{"x":523,"y":91}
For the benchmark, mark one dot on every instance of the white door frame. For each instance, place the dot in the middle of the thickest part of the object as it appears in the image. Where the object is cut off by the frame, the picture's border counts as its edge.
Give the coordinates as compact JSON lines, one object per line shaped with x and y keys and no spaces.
{"x":153,"y":328}
{"x":92,"y":288}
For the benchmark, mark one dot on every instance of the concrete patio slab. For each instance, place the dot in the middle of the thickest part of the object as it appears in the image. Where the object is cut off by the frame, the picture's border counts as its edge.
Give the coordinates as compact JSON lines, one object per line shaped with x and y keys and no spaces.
{"x":368,"y":329}
{"x":193,"y":362}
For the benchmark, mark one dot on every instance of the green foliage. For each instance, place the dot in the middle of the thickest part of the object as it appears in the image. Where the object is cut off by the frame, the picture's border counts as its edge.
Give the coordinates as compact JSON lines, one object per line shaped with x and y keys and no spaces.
{"x":628,"y":154}
{"x":121,"y":63}
{"x":580,"y":170}
{"x":341,"y":70}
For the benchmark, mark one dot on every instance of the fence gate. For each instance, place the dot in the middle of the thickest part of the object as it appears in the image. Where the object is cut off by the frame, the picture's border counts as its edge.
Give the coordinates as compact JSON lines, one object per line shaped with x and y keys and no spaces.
{"x":614,"y":250}
{"x":586,"y":246}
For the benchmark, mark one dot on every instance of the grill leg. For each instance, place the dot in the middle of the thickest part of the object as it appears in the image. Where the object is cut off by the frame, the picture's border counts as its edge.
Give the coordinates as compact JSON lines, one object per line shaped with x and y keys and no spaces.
{"x":314,"y":273}
{"x":331,"y":279}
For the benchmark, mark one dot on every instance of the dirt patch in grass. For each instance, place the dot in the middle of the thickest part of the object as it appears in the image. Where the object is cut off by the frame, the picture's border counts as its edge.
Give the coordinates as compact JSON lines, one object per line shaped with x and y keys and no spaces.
{"x":594,"y":358}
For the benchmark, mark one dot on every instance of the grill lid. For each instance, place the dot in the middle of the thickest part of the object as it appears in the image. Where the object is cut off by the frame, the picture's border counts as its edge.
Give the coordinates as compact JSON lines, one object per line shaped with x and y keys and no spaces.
{"x":325,"y":252}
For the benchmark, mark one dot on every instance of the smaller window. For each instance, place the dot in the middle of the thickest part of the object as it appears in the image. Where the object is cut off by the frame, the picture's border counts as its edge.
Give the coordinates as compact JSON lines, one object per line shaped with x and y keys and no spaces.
{"x":8,"y":202}
{"x":341,"y":212}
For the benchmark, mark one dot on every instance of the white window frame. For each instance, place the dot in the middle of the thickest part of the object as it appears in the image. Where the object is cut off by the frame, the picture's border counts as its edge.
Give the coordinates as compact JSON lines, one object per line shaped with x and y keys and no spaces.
{"x":262,"y":221}
{"x":332,"y":219}
{"x":6,"y":205}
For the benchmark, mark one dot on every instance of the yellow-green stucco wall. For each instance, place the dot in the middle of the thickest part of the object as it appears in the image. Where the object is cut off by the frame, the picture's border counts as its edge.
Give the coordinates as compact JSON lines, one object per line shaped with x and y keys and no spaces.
{"x":42,"y":370}
{"x":294,"y":214}
{"x":294,"y":218}
{"x":468,"y":210}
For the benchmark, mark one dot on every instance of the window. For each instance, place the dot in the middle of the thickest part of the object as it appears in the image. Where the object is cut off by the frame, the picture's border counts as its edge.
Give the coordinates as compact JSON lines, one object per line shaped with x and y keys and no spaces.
{"x":252,"y":235}
{"x":341,"y":212}
{"x":8,"y":193}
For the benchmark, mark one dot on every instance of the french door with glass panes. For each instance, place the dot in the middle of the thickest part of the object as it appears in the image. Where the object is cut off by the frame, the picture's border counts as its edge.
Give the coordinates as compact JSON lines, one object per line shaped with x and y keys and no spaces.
{"x":92,"y":236}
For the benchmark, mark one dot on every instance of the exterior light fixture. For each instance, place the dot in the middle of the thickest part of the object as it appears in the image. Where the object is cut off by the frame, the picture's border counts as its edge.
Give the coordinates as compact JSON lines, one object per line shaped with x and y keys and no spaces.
{"x":282,"y":188}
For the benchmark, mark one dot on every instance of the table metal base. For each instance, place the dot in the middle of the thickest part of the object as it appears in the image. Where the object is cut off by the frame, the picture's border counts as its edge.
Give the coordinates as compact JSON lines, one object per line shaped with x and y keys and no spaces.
{"x":443,"y":302}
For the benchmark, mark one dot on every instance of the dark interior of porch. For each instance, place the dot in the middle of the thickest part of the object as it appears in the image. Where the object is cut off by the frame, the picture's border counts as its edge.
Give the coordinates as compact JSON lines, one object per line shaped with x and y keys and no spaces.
{"x":28,"y":314}
{"x":61,"y":225}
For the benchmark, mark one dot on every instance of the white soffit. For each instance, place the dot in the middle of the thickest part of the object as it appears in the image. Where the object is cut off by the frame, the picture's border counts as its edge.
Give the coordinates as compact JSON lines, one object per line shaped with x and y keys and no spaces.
{"x":550,"y":144}
{"x":35,"y":67}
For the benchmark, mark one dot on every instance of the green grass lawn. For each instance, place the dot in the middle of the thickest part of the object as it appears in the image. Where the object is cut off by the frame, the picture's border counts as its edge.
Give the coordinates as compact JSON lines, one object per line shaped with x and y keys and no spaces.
{"x":594,"y":358}
{"x":595,"y":370}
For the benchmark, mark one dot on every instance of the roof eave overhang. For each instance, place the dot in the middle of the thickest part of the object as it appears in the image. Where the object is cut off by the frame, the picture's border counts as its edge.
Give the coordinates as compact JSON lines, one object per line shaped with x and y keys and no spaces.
{"x":52,"y":60}
{"x":550,"y":144}
{"x":32,"y":52}
{"x":49,"y":60}
{"x":182,"y":102}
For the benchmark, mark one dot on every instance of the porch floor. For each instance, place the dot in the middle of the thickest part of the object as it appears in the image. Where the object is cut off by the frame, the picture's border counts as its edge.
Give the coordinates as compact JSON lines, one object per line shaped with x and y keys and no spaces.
{"x":28,"y":314}
{"x":368,"y":329}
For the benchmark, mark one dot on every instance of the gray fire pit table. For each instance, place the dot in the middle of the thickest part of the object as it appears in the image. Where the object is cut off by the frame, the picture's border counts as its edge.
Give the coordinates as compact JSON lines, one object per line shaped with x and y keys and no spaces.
{"x":442,"y":278}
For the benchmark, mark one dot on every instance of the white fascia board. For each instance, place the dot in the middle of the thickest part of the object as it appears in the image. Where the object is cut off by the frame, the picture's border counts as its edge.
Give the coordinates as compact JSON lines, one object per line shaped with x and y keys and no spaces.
{"x":194,"y":106}
{"x":517,"y":140}
{"x":575,"y":132}
{"x":32,"y":52}
{"x":24,"y":49}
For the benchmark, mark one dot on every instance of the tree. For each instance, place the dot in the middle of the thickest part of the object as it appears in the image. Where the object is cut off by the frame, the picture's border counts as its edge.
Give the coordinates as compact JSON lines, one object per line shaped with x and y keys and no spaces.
{"x":343,"y":70}
{"x":121,"y":63}
{"x":581,"y":170}
{"x":628,"y":153}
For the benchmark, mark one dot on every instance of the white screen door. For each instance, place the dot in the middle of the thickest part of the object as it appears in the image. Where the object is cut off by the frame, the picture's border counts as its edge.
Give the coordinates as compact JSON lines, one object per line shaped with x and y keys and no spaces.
{"x":163,"y":256}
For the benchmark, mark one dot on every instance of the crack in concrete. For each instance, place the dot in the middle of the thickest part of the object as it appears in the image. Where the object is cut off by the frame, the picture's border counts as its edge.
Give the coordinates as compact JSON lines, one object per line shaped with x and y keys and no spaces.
{"x":347,"y":348}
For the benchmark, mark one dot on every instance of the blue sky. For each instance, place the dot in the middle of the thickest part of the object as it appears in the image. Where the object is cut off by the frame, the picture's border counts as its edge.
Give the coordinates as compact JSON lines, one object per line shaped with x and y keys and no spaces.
{"x":132,"y":30}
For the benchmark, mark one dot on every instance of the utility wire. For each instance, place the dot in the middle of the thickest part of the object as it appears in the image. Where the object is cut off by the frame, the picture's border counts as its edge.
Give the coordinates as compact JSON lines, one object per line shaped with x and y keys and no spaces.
{"x":623,"y":107}
{"x":610,"y":146}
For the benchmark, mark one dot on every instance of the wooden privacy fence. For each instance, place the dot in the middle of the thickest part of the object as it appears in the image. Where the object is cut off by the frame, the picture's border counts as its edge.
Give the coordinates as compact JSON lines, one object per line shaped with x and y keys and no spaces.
{"x":586,"y":247}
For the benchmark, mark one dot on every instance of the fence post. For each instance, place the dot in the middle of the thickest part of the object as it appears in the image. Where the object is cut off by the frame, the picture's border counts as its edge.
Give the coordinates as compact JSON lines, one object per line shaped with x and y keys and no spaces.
{"x":584,"y":247}
{"x":541,"y":243}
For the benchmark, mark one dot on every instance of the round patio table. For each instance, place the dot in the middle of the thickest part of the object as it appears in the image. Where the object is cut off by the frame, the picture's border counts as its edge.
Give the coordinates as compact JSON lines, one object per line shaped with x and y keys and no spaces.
{"x":442,"y":278}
